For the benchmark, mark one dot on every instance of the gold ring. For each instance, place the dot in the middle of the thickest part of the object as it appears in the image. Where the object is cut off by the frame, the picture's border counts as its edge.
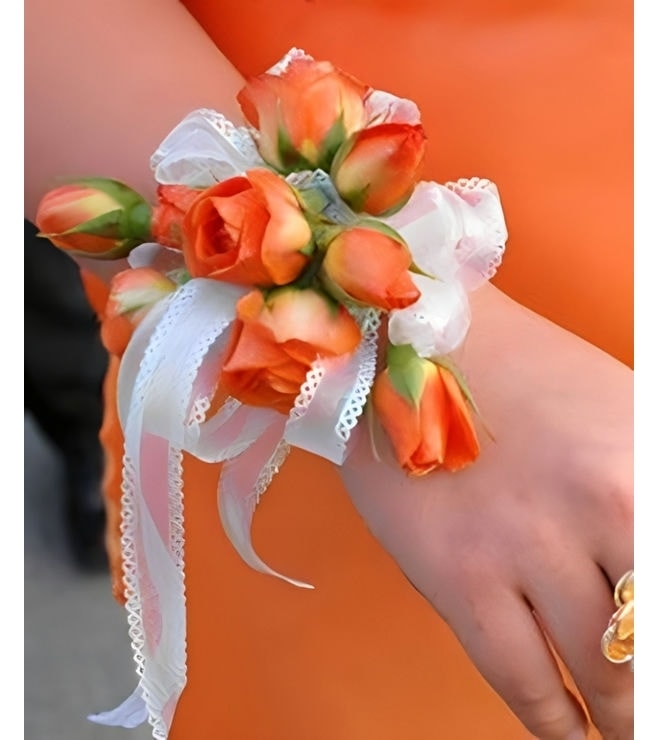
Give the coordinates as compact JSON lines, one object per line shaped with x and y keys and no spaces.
{"x":618,"y":641}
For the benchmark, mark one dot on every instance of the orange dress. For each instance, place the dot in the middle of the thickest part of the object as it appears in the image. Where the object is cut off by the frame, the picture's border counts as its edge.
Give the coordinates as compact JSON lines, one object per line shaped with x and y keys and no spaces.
{"x":538,"y":98}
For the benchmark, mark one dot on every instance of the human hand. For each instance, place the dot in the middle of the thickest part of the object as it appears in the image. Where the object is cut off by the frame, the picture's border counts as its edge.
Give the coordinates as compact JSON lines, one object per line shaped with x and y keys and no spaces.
{"x":521,"y":550}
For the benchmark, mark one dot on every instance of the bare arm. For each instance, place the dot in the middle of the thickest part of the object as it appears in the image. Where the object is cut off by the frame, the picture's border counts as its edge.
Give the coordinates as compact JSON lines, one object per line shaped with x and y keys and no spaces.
{"x":531,"y":536}
{"x":105,"y":82}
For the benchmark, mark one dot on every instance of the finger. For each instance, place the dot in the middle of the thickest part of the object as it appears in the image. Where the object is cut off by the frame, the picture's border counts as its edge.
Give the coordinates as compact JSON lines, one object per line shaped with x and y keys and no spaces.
{"x":611,"y":530}
{"x":575,"y":619}
{"x":509,"y":649}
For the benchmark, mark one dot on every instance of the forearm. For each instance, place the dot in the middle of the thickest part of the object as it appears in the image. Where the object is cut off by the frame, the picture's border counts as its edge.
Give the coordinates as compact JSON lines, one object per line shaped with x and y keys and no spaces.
{"x":100,"y":96}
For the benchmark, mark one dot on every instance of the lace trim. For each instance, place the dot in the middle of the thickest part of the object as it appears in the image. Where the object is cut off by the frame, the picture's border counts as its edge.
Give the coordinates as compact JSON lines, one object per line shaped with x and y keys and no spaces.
{"x":370,"y":321}
{"x":270,"y":469}
{"x":198,"y":411}
{"x":491,"y":218}
{"x":282,"y":65}
{"x":307,"y":391}
{"x":365,"y":361}
{"x":181,"y":306}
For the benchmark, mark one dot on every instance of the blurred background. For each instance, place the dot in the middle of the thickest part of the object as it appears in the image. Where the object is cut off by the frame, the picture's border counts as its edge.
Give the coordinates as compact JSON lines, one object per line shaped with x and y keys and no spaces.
{"x":77,"y":654}
{"x":78,"y":658}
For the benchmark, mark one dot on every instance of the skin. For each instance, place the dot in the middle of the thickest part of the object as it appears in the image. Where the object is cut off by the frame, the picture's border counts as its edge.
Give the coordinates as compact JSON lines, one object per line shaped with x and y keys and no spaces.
{"x":524,"y":543}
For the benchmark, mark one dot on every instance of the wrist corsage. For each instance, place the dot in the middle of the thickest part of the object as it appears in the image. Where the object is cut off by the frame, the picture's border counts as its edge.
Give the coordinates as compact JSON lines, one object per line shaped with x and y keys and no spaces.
{"x":295,"y":276}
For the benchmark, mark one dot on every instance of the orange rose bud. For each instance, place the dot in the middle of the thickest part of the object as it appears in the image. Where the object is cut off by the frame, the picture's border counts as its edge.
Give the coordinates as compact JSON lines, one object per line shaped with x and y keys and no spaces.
{"x":275,"y":341}
{"x":247,"y":230}
{"x":304,"y":114}
{"x":425,"y":414}
{"x":94,"y":217}
{"x":370,"y":266}
{"x":133,"y":292}
{"x":174,"y":201}
{"x":377,"y":169}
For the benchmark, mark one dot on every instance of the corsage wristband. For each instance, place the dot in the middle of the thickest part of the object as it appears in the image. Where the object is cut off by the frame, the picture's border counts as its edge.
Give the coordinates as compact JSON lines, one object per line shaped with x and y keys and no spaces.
{"x":254,"y":292}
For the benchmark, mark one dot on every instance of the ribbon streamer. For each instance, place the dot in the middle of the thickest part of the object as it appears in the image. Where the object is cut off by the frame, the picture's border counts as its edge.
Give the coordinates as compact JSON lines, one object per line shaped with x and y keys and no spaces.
{"x":166,"y":380}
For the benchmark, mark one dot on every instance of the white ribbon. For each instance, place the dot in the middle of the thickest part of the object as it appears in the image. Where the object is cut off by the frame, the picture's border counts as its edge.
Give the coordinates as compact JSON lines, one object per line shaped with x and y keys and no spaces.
{"x":168,"y":375}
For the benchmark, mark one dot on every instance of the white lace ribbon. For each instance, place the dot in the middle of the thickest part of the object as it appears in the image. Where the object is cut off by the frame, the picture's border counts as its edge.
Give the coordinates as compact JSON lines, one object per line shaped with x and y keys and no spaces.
{"x":204,"y":148}
{"x":167,"y":377}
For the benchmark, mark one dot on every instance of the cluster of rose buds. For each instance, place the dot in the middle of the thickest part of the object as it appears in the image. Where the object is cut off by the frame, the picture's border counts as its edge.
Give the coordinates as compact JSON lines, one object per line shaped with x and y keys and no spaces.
{"x":304,"y":270}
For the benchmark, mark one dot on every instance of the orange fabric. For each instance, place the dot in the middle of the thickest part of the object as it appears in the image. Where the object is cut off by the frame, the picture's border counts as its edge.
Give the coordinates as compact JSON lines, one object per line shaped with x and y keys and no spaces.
{"x":538,"y":97}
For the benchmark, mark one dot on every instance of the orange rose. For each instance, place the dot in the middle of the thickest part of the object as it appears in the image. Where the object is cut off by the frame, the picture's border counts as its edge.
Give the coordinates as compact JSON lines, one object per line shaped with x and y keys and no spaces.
{"x":131,"y":295}
{"x":247,"y":230}
{"x":370,"y":266}
{"x":276,"y":340}
{"x":94,"y":217}
{"x":377,"y":169}
{"x":424,"y":412}
{"x":304,"y":114}
{"x":167,"y":219}
{"x":133,"y":292}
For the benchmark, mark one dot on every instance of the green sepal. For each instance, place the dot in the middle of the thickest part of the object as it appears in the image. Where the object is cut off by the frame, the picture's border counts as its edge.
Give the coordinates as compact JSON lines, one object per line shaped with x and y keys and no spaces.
{"x":122,"y":193}
{"x":413,"y":267}
{"x":308,"y":277}
{"x":341,"y":154}
{"x":331,"y":144}
{"x":130,"y":220}
{"x":406,"y":372}
{"x":291,"y":159}
{"x":108,"y":225}
{"x":139,"y":221}
{"x":356,"y":198}
{"x":325,"y":232}
{"x":376,"y":225}
{"x":336,"y":292}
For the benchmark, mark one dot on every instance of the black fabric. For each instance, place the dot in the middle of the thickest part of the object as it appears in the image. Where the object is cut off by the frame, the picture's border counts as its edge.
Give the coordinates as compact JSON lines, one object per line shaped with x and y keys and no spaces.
{"x":65,"y":361}
{"x":64,"y":364}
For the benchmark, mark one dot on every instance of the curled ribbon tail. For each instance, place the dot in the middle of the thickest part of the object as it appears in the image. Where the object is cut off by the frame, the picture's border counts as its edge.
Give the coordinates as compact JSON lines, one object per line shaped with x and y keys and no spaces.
{"x":130,"y":713}
{"x":243,"y":480}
